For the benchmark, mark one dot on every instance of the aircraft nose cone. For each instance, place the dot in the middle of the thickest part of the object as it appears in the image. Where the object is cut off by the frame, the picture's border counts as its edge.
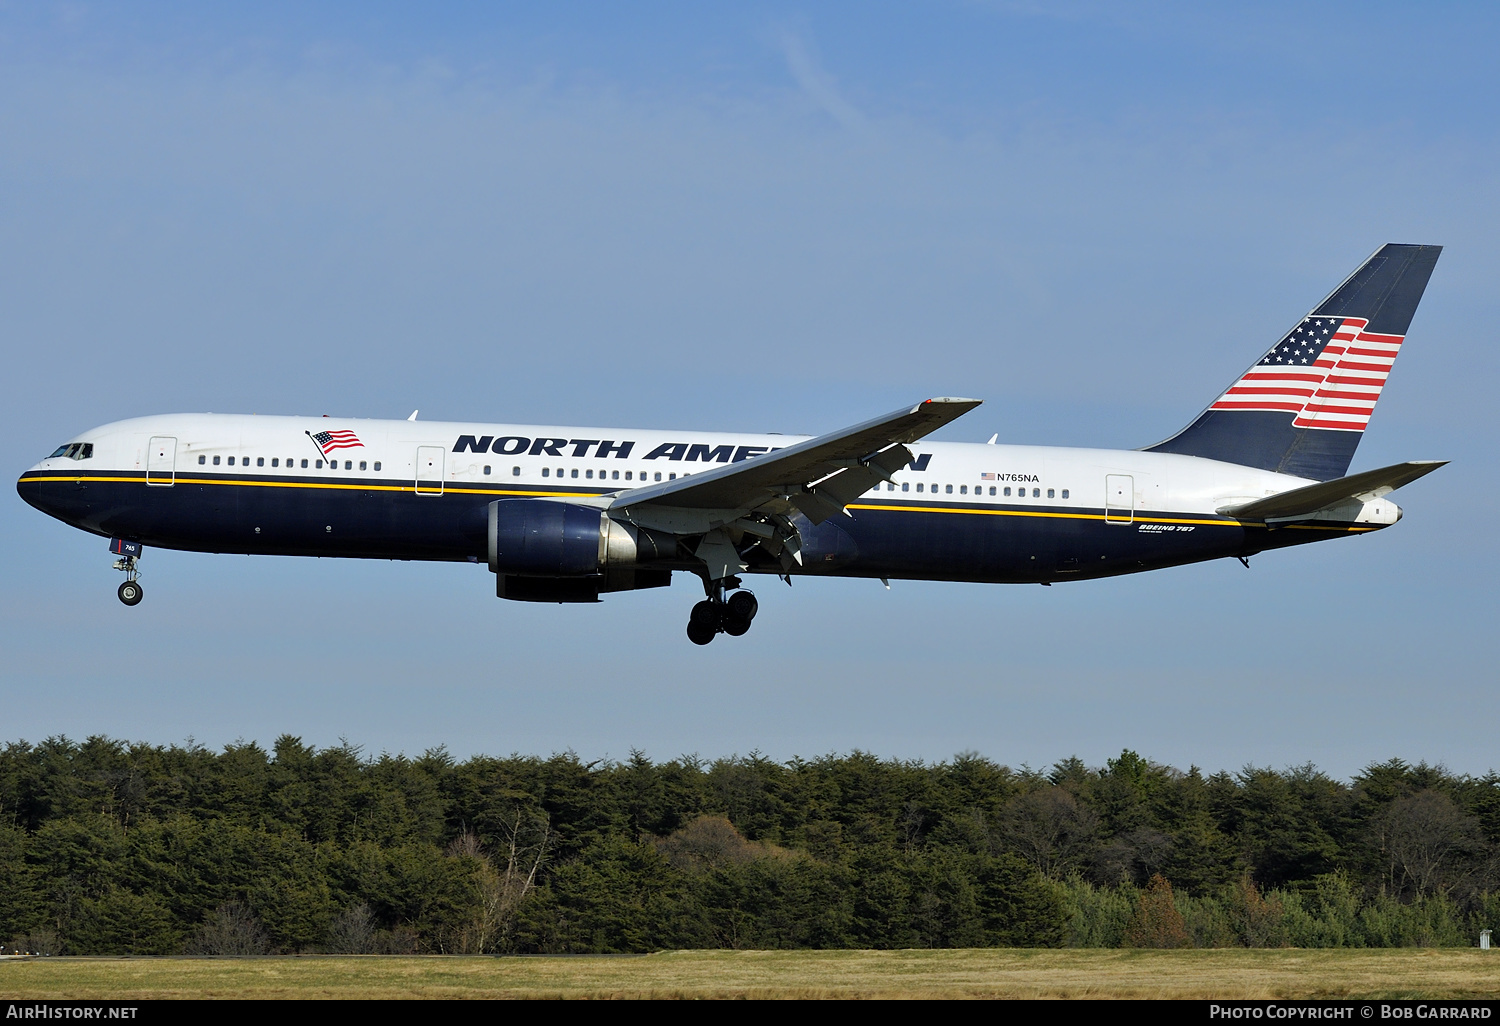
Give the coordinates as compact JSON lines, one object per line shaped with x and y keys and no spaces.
{"x":30,"y":490}
{"x":60,"y":499}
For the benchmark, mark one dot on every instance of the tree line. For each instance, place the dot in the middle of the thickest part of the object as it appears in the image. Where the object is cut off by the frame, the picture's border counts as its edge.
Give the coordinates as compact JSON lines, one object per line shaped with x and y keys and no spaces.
{"x":113,"y":847}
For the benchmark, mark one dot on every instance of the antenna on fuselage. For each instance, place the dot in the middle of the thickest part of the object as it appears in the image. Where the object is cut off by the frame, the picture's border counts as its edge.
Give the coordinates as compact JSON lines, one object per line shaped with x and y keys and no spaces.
{"x":414,"y":414}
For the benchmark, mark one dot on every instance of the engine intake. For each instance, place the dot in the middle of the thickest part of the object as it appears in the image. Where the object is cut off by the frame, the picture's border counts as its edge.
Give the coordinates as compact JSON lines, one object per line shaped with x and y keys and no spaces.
{"x":541,"y":538}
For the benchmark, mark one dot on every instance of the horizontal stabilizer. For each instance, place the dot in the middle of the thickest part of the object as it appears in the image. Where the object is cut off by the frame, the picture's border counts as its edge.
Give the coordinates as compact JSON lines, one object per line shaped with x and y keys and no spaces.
{"x":1372,"y":484}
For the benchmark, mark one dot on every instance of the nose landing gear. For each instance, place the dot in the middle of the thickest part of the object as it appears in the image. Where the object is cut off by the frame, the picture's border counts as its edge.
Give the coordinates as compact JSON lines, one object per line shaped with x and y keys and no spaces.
{"x":130,"y":592}
{"x":717,"y":614}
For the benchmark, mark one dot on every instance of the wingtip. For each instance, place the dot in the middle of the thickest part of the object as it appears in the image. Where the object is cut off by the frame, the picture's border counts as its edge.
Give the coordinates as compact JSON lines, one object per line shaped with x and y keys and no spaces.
{"x":948,"y":400}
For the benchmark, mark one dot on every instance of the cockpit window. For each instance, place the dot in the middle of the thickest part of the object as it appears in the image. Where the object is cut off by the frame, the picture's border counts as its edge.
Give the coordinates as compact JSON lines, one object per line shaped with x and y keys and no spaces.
{"x":74,"y":451}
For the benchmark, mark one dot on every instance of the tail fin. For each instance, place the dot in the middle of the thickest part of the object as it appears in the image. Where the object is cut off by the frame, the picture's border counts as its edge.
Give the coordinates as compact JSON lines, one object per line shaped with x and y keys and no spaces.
{"x":1302,"y":408}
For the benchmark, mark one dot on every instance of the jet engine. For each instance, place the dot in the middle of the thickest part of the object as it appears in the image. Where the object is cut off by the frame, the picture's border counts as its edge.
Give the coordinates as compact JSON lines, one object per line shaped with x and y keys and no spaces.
{"x":546,"y":551}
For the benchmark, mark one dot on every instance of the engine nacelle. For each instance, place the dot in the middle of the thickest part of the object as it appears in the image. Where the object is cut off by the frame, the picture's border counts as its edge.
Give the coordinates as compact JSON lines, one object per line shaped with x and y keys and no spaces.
{"x":537,"y":538}
{"x":542,"y":538}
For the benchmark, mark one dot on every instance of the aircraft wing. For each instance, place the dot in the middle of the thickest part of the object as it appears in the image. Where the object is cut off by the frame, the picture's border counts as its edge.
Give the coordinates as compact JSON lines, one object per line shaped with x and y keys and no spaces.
{"x":1372,"y":484}
{"x":757,"y":502}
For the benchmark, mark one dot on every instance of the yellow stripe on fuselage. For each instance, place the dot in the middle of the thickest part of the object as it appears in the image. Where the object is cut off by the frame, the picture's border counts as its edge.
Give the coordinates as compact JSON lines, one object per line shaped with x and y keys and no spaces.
{"x":1204,"y":521}
{"x":889,"y":507}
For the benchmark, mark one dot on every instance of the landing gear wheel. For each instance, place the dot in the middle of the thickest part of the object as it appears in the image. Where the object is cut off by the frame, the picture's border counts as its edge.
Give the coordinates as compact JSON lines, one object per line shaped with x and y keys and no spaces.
{"x":703,"y":622}
{"x":706,"y":614}
{"x":734,"y":628}
{"x":742,"y":606}
{"x":130,"y":593}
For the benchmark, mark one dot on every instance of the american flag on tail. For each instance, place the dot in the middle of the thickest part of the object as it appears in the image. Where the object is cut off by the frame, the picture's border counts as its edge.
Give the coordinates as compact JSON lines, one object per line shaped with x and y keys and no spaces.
{"x":328,"y":441}
{"x":1327,"y":371}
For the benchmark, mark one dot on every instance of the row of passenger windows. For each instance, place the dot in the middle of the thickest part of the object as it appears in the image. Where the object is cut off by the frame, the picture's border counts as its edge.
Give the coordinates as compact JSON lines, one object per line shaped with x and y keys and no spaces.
{"x":1036,"y":493}
{"x":614,"y":475}
{"x":588,"y":475}
{"x":260,"y":461}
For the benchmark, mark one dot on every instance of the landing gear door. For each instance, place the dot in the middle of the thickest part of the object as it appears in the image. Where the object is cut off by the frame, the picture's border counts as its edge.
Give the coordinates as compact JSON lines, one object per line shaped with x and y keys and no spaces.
{"x":161,"y":461}
{"x":430,"y":469}
{"x":1119,"y":499}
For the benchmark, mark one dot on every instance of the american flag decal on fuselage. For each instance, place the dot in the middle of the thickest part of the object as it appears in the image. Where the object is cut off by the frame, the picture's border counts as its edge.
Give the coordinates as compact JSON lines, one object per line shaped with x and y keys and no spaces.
{"x":1328,"y":372}
{"x":328,"y":441}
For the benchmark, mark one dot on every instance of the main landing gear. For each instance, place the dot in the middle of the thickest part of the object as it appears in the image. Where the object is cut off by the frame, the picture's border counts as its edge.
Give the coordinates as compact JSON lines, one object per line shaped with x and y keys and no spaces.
{"x":716,"y":613}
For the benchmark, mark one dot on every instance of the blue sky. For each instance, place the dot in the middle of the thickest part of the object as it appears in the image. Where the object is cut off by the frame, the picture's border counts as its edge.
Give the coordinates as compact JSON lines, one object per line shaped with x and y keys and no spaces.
{"x":760,"y":217}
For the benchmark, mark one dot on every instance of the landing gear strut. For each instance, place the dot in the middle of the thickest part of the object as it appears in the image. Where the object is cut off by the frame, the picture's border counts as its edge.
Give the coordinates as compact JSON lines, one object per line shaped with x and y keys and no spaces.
{"x":717,"y":614}
{"x":130,"y":592}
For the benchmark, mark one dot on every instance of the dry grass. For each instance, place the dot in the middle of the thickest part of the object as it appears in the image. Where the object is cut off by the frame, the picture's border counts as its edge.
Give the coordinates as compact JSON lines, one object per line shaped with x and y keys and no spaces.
{"x":1226,"y":974}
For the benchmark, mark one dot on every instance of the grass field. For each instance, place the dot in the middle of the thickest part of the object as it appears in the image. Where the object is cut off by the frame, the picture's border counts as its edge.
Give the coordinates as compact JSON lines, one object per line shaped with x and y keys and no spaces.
{"x":1238,"y":973}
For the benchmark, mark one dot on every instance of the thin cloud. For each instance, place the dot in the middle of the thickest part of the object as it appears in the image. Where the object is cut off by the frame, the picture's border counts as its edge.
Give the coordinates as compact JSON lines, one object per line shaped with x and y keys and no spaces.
{"x":818,"y":84}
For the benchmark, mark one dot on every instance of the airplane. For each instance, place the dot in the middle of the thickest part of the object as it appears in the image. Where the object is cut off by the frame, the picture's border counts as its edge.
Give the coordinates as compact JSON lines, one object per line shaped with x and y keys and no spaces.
{"x":567,"y":514}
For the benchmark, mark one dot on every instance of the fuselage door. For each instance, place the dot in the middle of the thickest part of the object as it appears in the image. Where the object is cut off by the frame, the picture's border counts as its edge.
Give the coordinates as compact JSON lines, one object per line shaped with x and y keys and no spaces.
{"x":1119,"y":499}
{"x":161,"y":461}
{"x":430,"y":469}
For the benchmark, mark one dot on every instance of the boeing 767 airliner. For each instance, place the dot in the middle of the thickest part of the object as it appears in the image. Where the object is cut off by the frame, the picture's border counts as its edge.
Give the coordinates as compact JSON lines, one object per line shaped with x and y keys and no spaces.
{"x":565,"y":514}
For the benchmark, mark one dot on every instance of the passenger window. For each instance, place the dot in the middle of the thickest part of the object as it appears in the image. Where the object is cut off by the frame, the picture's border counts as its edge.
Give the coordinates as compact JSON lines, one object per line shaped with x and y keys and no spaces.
{"x":275,"y":461}
{"x":260,"y":461}
{"x":587,"y":473}
{"x":216,"y":461}
{"x":627,"y":475}
{"x":231,"y":461}
{"x":992,"y":489}
{"x":1065,"y":493}
{"x":1007,"y":489}
{"x":486,"y":469}
{"x":304,"y":464}
{"x":364,"y":466}
{"x":1050,"y":493}
{"x":202,"y":460}
{"x":575,"y":472}
{"x":377,"y":464}
{"x":1036,"y":493}
{"x":515,"y":471}
{"x":658,"y":475}
{"x":317,"y":464}
{"x":615,"y":475}
{"x":948,"y":489}
{"x":906,"y":486}
{"x":671,"y":477}
{"x":348,"y":464}
{"x":545,"y":471}
{"x":963,"y":489}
